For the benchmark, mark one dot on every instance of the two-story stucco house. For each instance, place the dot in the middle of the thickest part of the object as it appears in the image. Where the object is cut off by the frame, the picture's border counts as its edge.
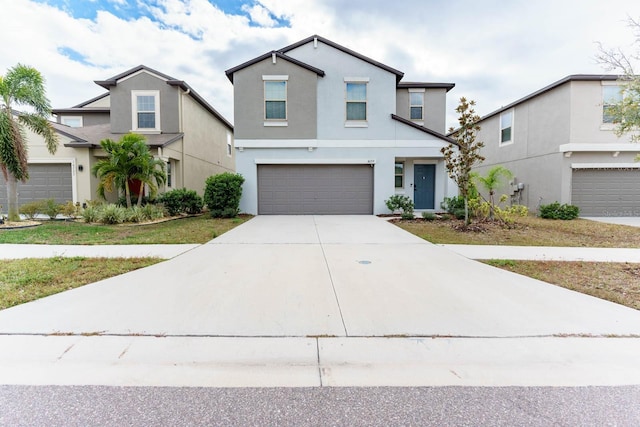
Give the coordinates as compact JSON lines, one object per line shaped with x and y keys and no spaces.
{"x":181,"y":128}
{"x":560,"y":145}
{"x":321,"y":129}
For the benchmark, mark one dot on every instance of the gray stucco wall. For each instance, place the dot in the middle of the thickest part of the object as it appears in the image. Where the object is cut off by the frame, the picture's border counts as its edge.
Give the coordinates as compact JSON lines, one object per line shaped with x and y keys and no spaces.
{"x":435,"y":101}
{"x":301,"y":101}
{"x":121,"y":103}
{"x":381,"y":93}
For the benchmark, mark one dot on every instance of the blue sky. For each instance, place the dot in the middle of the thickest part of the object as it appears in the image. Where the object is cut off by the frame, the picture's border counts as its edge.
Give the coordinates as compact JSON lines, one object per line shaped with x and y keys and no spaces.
{"x":494,"y":51}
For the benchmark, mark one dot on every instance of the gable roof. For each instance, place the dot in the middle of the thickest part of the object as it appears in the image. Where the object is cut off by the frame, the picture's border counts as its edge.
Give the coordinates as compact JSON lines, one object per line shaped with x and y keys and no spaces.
{"x":570,"y":78}
{"x":89,"y":101}
{"x":399,"y":74}
{"x":424,"y":129}
{"x":280,"y":55}
{"x":113,"y":81}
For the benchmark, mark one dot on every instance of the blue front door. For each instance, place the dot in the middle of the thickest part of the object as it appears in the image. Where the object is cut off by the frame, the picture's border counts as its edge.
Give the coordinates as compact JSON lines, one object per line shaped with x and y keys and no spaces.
{"x":424,"y":186}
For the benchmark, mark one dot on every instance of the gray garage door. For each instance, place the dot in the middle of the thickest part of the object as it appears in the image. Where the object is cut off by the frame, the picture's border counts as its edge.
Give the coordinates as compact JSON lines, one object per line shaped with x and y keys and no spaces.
{"x":46,"y":181}
{"x":315,"y":189}
{"x":606,"y":192}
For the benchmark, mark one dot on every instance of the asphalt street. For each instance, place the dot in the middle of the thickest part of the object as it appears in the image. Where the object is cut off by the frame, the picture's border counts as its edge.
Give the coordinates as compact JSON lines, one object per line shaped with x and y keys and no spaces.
{"x":379,"y":406}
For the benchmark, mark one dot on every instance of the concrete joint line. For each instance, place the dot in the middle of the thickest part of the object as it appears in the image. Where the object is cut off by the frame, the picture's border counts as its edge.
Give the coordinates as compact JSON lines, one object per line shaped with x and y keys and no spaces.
{"x":333,"y":286}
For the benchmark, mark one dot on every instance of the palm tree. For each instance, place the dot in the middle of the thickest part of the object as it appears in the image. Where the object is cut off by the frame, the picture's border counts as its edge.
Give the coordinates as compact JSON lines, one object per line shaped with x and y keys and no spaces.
{"x":128,"y":159}
{"x":492,"y":181}
{"x":22,"y":86}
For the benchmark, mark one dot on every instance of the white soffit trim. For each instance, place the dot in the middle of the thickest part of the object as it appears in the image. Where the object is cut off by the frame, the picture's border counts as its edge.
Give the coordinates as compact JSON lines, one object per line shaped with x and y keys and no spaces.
{"x":315,"y":161}
{"x":577,"y":147}
{"x":605,"y":165}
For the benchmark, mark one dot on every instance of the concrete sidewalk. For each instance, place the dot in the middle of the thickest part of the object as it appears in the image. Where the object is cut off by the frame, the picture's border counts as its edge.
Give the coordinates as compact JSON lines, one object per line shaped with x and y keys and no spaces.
{"x":319,"y":300}
{"x":19,"y":251}
{"x":546,"y":253}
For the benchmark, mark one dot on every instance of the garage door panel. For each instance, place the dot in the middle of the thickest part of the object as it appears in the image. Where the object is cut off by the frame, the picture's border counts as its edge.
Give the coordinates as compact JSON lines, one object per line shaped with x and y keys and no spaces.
{"x":46,"y":181}
{"x":606,"y":192}
{"x":315,"y":189}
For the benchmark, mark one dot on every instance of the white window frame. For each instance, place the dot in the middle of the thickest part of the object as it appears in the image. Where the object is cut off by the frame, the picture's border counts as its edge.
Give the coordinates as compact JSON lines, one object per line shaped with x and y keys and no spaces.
{"x":169,"y":171}
{"x":275,"y":78}
{"x":134,"y":110}
{"x":229,"y":145}
{"x":64,"y":120}
{"x":356,"y":122}
{"x":421,"y":119}
{"x":501,"y":128}
{"x":608,"y":125}
{"x":395,"y":174}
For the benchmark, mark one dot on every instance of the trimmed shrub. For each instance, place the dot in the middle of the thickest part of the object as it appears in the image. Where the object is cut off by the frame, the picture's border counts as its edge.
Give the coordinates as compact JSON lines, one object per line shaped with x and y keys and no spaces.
{"x":402,"y":203}
{"x":31,"y":209}
{"x":135,"y":214}
{"x":222,"y":194}
{"x":181,"y":200}
{"x":428,"y":216}
{"x":90,"y":214}
{"x":51,"y":208}
{"x":113,"y":214}
{"x":557,"y":211}
{"x":69,"y":209}
{"x":151,"y":212}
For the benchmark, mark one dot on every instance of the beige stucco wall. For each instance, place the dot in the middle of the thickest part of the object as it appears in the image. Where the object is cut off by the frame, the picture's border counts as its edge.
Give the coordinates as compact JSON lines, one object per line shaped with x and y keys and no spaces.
{"x":38,"y":153}
{"x":204,"y":146}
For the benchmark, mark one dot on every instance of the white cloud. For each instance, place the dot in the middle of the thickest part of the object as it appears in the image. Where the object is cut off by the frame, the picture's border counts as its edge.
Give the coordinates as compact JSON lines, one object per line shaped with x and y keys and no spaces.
{"x":495,"y":54}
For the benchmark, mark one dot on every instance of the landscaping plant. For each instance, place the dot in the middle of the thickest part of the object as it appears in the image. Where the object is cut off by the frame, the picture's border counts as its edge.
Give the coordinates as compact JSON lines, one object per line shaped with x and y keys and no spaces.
{"x":557,"y":211}
{"x":402,"y":203}
{"x":181,"y":201}
{"x":222,"y":194}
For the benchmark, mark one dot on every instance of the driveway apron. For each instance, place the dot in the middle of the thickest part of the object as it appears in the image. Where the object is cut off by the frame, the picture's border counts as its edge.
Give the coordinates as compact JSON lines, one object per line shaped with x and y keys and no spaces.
{"x":320,"y":276}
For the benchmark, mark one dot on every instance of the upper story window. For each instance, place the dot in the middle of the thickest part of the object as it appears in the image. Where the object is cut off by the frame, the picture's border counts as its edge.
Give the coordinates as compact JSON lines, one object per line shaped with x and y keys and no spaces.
{"x":399,"y":174}
{"x":229,"y":145}
{"x":416,"y":104}
{"x":506,"y":127}
{"x":145,"y":105}
{"x":357,"y":100}
{"x":611,"y":95}
{"x":71,"y":121}
{"x":275,"y":100}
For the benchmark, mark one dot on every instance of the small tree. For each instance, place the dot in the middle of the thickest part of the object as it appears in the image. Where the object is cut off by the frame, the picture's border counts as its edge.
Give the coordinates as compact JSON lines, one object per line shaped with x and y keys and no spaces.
{"x":22,"y":86}
{"x":625,"y":113}
{"x":128,"y":159}
{"x":491,"y":182}
{"x":222,"y":194}
{"x":462,"y":156}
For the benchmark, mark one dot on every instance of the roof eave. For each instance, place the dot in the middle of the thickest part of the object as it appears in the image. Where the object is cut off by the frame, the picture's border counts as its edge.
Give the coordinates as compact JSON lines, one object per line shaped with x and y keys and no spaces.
{"x":424,"y":129}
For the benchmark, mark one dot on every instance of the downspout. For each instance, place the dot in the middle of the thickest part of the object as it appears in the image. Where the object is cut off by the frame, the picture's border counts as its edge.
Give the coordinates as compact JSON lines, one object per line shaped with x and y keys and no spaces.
{"x":182,"y":168}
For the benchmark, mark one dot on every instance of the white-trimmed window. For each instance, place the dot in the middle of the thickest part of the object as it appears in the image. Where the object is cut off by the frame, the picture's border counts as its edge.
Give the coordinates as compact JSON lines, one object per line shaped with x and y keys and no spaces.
{"x":506,"y":127}
{"x":416,"y":104}
{"x":71,"y":121}
{"x":145,"y":106}
{"x":275,"y":98}
{"x":229,"y":145}
{"x":356,"y":101}
{"x":611,"y":95}
{"x":399,"y":175}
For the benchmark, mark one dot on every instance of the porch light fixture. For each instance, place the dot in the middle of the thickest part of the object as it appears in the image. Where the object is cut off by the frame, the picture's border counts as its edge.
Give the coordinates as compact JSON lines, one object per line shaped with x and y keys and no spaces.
{"x":80,"y":168}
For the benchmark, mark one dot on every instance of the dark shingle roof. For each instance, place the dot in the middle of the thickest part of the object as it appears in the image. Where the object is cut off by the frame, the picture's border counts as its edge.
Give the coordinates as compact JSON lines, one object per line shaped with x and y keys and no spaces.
{"x":280,"y":55}
{"x":424,"y":129}
{"x":411,"y":85}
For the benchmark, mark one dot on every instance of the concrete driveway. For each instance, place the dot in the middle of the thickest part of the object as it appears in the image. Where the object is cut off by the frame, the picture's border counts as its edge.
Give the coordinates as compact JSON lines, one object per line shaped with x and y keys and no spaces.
{"x":301,"y":276}
{"x":632,"y":221}
{"x":319,"y":300}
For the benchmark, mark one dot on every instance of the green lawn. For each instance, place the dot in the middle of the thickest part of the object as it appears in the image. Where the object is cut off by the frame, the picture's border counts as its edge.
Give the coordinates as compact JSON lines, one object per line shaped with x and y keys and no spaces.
{"x":199,"y":229}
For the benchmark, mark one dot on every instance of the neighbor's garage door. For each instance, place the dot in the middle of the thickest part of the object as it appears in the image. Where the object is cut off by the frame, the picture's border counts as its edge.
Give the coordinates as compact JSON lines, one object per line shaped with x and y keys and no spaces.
{"x":315,"y":189}
{"x":606,"y":192}
{"x":46,"y":181}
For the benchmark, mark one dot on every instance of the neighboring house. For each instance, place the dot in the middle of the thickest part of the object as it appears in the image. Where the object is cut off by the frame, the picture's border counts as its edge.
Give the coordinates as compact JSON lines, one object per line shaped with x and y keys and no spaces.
{"x":181,"y":128}
{"x":321,"y":129}
{"x":560,"y":145}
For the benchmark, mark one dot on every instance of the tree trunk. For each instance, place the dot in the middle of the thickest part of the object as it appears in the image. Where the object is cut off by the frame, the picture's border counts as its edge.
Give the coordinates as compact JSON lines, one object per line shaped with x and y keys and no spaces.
{"x":467,"y":219}
{"x":140,"y":193}
{"x":127,"y":194}
{"x":12,"y":198}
